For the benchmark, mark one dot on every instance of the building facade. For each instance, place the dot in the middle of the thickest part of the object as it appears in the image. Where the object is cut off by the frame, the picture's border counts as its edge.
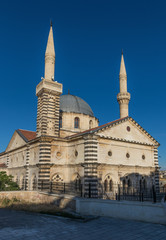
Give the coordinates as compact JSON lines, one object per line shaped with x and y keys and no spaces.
{"x":69,"y":145}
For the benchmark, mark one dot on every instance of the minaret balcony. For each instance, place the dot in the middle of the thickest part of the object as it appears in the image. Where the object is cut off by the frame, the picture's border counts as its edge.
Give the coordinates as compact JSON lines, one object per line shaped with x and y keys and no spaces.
{"x":123,"y":96}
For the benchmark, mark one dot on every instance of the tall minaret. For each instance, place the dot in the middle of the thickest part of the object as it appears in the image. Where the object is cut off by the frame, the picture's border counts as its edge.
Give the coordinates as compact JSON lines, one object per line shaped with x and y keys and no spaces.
{"x":48,"y":92}
{"x":123,"y":97}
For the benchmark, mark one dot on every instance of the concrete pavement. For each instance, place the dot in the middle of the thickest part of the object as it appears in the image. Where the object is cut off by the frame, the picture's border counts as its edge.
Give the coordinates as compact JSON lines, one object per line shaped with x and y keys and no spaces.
{"x":23,"y":225}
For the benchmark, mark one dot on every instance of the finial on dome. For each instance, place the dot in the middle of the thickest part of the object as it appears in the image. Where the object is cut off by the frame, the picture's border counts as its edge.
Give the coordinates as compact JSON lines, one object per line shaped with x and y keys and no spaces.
{"x":68,"y":91}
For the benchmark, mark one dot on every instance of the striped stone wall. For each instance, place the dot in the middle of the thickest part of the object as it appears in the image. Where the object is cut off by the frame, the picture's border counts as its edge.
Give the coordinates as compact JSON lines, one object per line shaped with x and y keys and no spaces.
{"x":90,"y":167}
{"x":156,"y":169}
{"x":48,"y":114}
{"x":44,"y":163}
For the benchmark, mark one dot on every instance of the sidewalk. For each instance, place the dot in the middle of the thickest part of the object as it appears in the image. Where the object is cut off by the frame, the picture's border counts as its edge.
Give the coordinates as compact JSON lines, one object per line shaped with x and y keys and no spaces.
{"x":20,"y":225}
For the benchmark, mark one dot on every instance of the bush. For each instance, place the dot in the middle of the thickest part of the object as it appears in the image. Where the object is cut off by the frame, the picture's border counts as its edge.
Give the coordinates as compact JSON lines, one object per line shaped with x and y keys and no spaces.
{"x":7,"y":183}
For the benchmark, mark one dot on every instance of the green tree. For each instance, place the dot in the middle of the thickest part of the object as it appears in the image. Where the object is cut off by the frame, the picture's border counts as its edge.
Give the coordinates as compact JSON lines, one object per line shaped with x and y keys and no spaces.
{"x":7,"y":183}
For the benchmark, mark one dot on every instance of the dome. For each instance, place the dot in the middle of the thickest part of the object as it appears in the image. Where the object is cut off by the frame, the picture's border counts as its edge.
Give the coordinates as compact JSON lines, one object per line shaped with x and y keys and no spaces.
{"x":71,"y":103}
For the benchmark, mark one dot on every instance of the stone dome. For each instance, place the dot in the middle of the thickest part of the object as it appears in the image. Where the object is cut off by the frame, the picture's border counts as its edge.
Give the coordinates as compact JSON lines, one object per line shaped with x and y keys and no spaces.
{"x":74,"y":104}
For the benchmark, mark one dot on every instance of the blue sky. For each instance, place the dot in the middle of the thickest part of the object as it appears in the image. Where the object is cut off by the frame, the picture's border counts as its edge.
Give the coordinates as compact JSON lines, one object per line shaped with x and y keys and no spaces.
{"x":89,"y":36}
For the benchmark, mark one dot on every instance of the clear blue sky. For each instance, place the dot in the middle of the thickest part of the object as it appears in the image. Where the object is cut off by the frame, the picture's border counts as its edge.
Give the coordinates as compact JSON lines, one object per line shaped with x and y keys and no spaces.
{"x":89,"y":36}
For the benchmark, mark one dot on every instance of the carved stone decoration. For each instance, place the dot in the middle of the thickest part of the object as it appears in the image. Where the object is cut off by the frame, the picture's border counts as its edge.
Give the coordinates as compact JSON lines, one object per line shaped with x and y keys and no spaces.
{"x":58,"y":155}
{"x":57,"y":178}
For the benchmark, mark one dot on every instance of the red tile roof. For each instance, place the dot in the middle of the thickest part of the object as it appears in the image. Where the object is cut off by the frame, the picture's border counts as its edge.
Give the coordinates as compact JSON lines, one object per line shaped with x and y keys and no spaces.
{"x":28,"y":135}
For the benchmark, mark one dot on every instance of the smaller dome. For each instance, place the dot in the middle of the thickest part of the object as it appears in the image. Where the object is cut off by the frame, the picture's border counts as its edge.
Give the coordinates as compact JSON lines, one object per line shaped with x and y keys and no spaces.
{"x":71,"y":103}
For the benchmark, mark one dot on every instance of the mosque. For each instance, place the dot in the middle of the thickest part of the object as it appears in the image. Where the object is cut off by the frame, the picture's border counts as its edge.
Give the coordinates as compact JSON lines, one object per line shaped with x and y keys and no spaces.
{"x":69,"y":144}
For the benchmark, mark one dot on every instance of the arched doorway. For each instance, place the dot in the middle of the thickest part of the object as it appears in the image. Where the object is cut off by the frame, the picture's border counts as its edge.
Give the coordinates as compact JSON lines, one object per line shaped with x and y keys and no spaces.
{"x":108,"y":184}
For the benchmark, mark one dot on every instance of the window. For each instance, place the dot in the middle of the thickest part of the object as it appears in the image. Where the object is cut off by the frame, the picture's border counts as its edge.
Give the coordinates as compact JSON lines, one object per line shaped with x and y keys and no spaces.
{"x":76,"y":122}
{"x":124,"y":183}
{"x":108,"y":184}
{"x":143,"y":157}
{"x":60,"y":122}
{"x":105,"y":185}
{"x":23,"y":183}
{"x":142,"y":183}
{"x":90,"y":124}
{"x":34,"y":183}
{"x":129,"y":183}
{"x":76,"y":153}
{"x":109,"y":153}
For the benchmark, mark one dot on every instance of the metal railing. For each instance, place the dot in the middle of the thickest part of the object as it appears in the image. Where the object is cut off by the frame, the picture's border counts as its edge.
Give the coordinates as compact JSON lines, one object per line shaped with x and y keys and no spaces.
{"x":113,"y":192}
{"x":130,"y":193}
{"x":62,"y":188}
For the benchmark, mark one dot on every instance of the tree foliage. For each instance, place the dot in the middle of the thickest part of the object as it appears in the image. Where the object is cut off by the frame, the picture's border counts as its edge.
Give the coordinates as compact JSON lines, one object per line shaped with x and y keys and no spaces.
{"x":7,"y":183}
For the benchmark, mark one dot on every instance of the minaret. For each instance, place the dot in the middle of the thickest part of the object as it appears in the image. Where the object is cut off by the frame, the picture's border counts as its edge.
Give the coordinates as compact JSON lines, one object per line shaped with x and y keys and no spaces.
{"x":48,"y":92}
{"x":123,"y":97}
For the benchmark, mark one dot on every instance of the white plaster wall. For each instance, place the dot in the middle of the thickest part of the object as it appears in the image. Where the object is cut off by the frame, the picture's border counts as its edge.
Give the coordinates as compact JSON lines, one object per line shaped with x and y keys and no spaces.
{"x":119,"y":150}
{"x":120,"y":131}
{"x":34,"y":154}
{"x":68,"y":123}
{"x":3,"y":159}
{"x":17,"y":158}
{"x":15,"y":142}
{"x":65,"y":153}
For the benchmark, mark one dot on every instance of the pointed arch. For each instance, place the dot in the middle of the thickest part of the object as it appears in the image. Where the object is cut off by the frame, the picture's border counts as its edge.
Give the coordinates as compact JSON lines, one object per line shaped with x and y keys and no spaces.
{"x":108,"y":183}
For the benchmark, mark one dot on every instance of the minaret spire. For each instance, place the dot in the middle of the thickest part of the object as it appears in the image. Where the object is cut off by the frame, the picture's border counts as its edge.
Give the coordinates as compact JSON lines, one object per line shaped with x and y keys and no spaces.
{"x":50,"y":56}
{"x":122,"y":67}
{"x":123,"y":97}
{"x":48,"y":93}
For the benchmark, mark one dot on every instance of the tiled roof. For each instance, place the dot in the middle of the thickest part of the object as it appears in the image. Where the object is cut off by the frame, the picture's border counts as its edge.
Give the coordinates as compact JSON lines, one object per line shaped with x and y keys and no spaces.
{"x":3,"y":165}
{"x":97,"y":128}
{"x":26,"y":135}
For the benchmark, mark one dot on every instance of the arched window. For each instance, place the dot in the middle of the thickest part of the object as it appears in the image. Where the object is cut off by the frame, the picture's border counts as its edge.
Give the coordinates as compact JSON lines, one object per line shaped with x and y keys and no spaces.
{"x":124,"y":183}
{"x":105,"y":185}
{"x":90,"y":124}
{"x":110,"y":186}
{"x":76,"y":122}
{"x":140,"y":184}
{"x":144,"y":184}
{"x":77,"y":182}
{"x":34,"y":183}
{"x":129,"y":183}
{"x":60,"y":122}
{"x":23,"y":183}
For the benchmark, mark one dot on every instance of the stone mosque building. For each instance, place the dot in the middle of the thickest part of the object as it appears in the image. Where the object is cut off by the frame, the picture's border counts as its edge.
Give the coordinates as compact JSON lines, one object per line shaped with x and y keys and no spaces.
{"x":69,"y":145}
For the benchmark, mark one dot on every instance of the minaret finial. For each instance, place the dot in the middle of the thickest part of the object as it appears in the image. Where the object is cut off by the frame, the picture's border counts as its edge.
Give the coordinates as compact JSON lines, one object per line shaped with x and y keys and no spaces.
{"x":50,"y":23}
{"x":123,"y":97}
{"x":122,"y":66}
{"x":50,"y":56}
{"x":122,"y":51}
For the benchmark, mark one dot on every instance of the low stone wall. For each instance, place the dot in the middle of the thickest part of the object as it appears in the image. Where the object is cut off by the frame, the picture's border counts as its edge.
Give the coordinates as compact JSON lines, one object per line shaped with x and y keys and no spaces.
{"x":140,"y":211}
{"x":62,"y":201}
